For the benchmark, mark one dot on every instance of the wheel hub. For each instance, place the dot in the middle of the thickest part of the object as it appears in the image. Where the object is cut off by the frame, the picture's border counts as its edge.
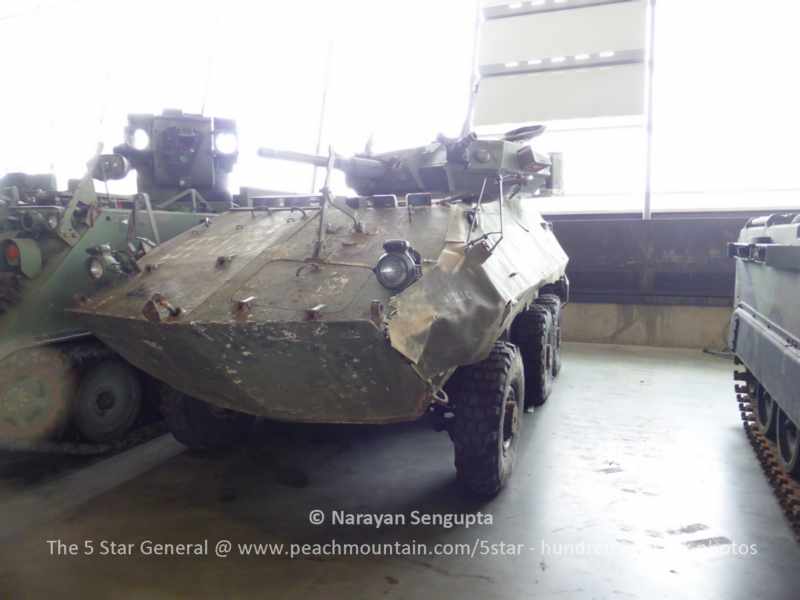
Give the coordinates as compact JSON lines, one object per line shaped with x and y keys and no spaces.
{"x":105,"y":402}
{"x":510,"y":420}
{"x":788,"y":441}
{"x":765,"y":405}
{"x":791,"y":439}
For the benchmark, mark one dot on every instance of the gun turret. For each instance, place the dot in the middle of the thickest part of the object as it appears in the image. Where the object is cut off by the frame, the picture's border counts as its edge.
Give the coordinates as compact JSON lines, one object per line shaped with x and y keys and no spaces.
{"x":445,"y":167}
{"x":358,"y":166}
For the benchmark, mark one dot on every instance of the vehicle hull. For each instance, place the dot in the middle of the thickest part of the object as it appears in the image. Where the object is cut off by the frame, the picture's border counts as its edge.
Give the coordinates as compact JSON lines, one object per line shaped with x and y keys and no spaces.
{"x":336,"y":372}
{"x":262,"y":326}
{"x":765,"y":327}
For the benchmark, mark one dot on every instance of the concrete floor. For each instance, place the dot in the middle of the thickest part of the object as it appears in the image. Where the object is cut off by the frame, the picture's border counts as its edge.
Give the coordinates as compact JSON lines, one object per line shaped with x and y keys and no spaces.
{"x":635,"y":481}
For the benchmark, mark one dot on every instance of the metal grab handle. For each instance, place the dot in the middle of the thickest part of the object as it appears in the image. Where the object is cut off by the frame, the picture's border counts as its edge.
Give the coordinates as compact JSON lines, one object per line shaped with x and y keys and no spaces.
{"x":477,"y":212}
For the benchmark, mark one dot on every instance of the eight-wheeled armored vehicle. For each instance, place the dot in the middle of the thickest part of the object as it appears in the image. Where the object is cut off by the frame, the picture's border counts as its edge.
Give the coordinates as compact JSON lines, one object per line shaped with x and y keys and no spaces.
{"x":765,"y":339}
{"x":56,"y":247}
{"x":438,"y":289}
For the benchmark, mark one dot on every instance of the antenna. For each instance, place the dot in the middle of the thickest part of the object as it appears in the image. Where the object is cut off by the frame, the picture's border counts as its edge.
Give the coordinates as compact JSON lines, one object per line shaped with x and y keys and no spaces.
{"x":475,"y":77}
{"x":207,"y":84}
{"x":319,"y":246}
{"x":369,"y":144}
{"x":322,"y":109}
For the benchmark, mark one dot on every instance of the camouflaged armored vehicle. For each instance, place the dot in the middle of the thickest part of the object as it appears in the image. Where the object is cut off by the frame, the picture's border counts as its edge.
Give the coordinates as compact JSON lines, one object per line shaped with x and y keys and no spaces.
{"x":437,"y":290}
{"x":57,"y":381}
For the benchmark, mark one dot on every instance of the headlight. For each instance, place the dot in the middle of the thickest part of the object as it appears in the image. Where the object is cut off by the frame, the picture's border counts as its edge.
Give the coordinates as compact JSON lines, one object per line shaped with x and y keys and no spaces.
{"x":393,"y":271}
{"x":11,"y":254}
{"x":140,"y":139}
{"x":37,"y":221}
{"x":102,"y":264}
{"x":399,"y":267}
{"x":95,"y":268}
{"x":52,"y":221}
{"x":226,"y":142}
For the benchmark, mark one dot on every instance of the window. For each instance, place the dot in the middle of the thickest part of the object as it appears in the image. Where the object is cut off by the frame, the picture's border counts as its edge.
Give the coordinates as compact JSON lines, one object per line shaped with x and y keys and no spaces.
{"x":400,"y":71}
{"x":725,"y":118}
{"x":726,"y":103}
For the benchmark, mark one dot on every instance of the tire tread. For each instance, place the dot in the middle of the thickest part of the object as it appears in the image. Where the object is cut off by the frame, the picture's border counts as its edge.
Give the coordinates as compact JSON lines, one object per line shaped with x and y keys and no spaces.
{"x":479,"y":392}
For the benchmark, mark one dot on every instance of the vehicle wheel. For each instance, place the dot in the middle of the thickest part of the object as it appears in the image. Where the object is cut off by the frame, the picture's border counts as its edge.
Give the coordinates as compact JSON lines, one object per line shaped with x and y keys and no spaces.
{"x":37,"y":386}
{"x":201,"y":426}
{"x":766,"y":411}
{"x":531,"y":332}
{"x":553,"y":302}
{"x":488,"y":399}
{"x":109,"y":401}
{"x":788,"y":444}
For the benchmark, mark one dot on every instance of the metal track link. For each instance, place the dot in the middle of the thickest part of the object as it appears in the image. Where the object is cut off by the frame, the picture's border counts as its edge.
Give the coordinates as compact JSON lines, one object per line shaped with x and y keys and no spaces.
{"x":134,"y":438}
{"x":83,"y":353}
{"x":785,"y":487}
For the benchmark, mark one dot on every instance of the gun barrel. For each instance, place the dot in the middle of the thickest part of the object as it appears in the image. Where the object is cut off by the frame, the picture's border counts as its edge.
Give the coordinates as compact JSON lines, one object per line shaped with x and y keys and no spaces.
{"x":357,"y":166}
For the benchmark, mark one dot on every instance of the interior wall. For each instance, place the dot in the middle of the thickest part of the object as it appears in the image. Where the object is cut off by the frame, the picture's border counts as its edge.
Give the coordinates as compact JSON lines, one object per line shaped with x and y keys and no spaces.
{"x":702,"y":327}
{"x":664,"y":282}
{"x":671,"y":259}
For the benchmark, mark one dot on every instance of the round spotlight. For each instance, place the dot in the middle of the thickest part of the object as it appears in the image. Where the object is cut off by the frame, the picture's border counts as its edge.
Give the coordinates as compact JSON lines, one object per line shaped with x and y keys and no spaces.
{"x":396,"y":271}
{"x":140,"y":139}
{"x":226,"y":142}
{"x":95,"y":268}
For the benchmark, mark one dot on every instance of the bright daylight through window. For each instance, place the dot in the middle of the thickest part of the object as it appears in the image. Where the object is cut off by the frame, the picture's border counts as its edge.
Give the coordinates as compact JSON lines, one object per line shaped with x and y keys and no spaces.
{"x":253,"y":68}
{"x":712,"y":148}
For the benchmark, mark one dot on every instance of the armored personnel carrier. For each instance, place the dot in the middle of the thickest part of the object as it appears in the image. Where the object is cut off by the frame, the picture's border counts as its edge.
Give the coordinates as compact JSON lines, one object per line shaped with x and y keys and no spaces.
{"x":438,"y":289}
{"x":765,"y":338}
{"x":56,"y":247}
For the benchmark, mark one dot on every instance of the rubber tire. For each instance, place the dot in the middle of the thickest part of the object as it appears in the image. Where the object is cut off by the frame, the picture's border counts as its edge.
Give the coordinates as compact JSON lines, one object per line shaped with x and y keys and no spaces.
{"x":766,"y":418}
{"x":553,"y":302}
{"x":480,"y":393}
{"x":124,"y":384}
{"x":789,"y":457}
{"x":199,"y":426}
{"x":532,"y":333}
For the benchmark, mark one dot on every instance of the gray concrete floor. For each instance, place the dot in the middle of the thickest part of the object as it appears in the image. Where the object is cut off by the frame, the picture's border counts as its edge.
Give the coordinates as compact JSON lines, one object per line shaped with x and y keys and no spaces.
{"x":634,"y":481}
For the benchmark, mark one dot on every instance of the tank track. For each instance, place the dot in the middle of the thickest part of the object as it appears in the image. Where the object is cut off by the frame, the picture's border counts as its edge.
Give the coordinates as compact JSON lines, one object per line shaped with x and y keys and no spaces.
{"x":134,"y":438}
{"x":81,"y":354}
{"x":785,"y":487}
